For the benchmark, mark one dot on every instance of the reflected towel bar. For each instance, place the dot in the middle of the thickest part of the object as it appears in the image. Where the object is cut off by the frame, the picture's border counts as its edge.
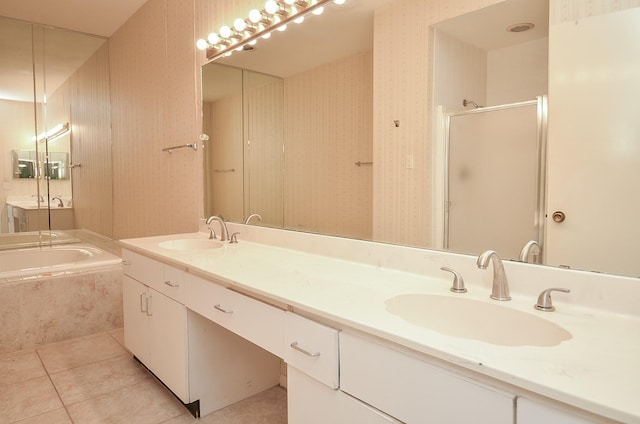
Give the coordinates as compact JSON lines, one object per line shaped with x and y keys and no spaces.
{"x":363,"y":163}
{"x":225,"y":170}
{"x":193,"y":146}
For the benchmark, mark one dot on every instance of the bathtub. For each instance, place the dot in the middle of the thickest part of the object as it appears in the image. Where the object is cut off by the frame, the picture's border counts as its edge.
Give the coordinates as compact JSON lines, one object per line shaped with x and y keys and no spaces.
{"x":54,"y":293}
{"x":53,"y":260}
{"x":34,"y":238}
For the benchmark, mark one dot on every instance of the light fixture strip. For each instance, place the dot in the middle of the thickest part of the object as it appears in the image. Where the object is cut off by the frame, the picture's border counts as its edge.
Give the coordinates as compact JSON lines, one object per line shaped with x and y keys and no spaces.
{"x":213,"y":53}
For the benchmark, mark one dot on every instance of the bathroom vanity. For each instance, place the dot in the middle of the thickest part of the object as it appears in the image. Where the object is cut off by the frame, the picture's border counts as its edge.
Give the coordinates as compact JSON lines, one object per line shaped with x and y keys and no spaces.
{"x":214,"y":321}
{"x":26,"y":216}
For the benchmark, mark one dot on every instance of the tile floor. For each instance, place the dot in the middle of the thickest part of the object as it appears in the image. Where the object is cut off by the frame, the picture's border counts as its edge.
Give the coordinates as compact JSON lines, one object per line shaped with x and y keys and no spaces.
{"x":94,"y":379}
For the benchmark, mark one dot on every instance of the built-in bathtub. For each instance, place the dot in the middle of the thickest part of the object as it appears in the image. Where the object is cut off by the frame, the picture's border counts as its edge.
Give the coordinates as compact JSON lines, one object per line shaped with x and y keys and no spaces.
{"x":35,"y":238}
{"x":54,"y":293}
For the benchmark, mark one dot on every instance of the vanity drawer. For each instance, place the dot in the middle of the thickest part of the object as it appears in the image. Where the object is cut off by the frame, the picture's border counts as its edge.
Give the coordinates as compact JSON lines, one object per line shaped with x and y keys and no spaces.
{"x":312,"y":348}
{"x":142,"y":268}
{"x":249,"y":318}
{"x":161,"y":277}
{"x":414,"y":391}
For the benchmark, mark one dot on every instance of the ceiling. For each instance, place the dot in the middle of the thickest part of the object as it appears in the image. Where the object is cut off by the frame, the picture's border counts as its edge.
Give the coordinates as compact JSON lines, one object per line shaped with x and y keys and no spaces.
{"x":97,"y":17}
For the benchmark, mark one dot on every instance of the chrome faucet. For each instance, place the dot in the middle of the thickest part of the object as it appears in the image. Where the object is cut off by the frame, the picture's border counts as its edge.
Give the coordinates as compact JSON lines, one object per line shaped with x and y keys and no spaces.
{"x":224,"y":232}
{"x":526,"y":249}
{"x":253,"y":215}
{"x":60,"y":202}
{"x":39,"y":197}
{"x":500,"y":289}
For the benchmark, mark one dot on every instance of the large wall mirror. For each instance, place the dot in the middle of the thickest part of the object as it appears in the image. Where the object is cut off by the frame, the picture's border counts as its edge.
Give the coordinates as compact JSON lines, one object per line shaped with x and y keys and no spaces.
{"x":54,"y":100}
{"x":320,"y":172}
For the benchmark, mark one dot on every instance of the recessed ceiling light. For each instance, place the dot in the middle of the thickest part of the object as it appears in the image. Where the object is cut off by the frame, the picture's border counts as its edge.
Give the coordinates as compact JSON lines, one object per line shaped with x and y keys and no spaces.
{"x":521,"y":27}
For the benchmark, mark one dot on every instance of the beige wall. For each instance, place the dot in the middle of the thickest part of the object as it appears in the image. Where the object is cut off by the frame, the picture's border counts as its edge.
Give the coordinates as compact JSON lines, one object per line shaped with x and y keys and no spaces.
{"x":154,"y":105}
{"x":325,"y":191}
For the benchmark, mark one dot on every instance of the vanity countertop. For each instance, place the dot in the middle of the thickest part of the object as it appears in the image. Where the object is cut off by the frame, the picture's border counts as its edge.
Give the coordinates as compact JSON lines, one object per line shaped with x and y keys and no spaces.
{"x":597,"y":370}
{"x":32,"y":205}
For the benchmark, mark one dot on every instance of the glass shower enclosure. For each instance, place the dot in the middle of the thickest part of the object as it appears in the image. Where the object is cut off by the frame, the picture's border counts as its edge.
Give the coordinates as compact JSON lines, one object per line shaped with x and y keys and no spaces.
{"x":495,"y":178}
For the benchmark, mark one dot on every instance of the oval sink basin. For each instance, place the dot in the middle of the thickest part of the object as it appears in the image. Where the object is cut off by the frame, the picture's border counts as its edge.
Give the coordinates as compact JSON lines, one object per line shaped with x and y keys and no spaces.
{"x":473,"y":319}
{"x":190,"y":244}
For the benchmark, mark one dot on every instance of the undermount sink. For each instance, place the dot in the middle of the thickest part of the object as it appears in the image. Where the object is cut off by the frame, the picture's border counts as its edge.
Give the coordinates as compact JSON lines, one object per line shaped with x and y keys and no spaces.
{"x":475,"y":319}
{"x":190,"y":244}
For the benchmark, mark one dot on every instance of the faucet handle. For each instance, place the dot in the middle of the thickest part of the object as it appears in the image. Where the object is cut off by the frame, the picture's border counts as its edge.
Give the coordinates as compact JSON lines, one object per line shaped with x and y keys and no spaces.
{"x":234,"y":238}
{"x":544,"y":300}
{"x":458,"y":282}
{"x":212,"y":234}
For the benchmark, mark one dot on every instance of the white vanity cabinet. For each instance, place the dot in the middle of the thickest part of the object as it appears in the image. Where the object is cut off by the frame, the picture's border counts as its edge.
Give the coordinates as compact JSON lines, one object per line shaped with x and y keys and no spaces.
{"x":155,"y":324}
{"x":414,"y":391}
{"x":534,"y":412}
{"x":311,"y":402}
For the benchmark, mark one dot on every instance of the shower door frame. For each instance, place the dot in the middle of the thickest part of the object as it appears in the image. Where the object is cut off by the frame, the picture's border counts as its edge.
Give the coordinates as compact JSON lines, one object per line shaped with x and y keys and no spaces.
{"x":541,"y":104}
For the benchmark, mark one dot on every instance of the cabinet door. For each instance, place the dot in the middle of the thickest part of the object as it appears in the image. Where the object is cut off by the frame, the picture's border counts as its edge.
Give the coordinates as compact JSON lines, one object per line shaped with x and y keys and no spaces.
{"x":311,"y":402}
{"x":136,"y":321}
{"x":415,"y":391}
{"x":168,"y":342}
{"x":530,"y":412}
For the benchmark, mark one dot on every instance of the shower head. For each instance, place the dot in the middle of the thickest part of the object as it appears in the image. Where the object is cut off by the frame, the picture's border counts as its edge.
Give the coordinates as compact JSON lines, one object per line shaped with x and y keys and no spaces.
{"x":466,"y":102}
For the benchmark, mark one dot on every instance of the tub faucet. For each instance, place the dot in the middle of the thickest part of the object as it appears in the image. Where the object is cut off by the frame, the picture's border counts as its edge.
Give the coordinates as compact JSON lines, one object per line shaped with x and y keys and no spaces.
{"x":500,"y":289}
{"x":60,"y":202}
{"x":39,"y":197}
{"x":526,"y":249}
{"x":224,"y":233}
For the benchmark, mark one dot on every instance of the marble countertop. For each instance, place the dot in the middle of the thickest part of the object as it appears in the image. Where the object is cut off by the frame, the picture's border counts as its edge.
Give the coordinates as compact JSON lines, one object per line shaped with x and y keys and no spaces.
{"x":597,"y":370}
{"x":32,"y":204}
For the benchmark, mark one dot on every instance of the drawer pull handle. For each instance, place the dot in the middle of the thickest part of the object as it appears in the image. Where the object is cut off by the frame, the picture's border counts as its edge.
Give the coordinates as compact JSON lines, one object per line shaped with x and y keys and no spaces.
{"x":295,"y":346}
{"x":221,"y":309}
{"x":170,"y":284}
{"x":126,"y":262}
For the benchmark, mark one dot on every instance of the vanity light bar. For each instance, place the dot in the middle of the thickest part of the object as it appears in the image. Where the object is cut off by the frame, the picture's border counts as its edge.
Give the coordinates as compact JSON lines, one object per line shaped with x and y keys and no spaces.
{"x":275,"y":16}
{"x":53,"y":133}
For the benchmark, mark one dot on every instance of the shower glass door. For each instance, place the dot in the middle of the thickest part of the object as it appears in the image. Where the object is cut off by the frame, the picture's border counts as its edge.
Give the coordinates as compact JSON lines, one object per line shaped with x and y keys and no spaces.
{"x":494,"y":193}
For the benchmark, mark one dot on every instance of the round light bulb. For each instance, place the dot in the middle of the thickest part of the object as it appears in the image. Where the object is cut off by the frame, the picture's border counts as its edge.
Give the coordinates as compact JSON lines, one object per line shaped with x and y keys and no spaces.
{"x":202,"y":44}
{"x":289,"y":2}
{"x":255,"y":16}
{"x":225,"y":32}
{"x":299,"y":20}
{"x":213,"y":38}
{"x":239,"y":24}
{"x":339,"y":1}
{"x":318,"y":11}
{"x":267,"y":35}
{"x":282,"y":28}
{"x":253,"y":42}
{"x":271,"y":7}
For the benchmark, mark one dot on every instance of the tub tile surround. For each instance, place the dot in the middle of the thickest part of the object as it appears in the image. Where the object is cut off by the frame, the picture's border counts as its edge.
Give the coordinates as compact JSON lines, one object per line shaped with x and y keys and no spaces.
{"x":346,"y":282}
{"x":37,"y":311}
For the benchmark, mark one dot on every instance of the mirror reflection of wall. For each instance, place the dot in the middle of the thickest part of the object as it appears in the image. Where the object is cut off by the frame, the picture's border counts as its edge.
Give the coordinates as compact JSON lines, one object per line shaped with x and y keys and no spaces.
{"x":72,"y":74}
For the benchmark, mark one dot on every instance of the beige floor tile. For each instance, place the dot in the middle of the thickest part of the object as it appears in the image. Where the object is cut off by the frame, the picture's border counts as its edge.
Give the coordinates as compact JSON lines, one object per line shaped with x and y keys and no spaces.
{"x":20,"y":367}
{"x":147,"y":402}
{"x":118,"y":335}
{"x":59,"y":416}
{"x":268,"y":407}
{"x":73,"y":353}
{"x":92,"y":380}
{"x":28,"y":399}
